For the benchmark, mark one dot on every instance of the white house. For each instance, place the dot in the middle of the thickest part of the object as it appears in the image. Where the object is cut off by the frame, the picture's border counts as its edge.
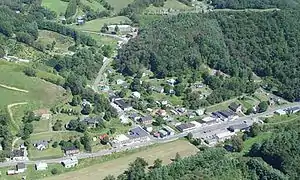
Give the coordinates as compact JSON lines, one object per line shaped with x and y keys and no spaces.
{"x":71,"y":162}
{"x":136,"y":94}
{"x":40,"y":166}
{"x":280,"y":112}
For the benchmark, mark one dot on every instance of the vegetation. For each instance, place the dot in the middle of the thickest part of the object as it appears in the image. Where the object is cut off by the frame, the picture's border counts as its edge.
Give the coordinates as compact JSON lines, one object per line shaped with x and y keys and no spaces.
{"x":221,"y":40}
{"x":256,"y":4}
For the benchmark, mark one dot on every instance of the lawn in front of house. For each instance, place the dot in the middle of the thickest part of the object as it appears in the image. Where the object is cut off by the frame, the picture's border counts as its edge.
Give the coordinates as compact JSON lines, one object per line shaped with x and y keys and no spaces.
{"x":97,"y":24}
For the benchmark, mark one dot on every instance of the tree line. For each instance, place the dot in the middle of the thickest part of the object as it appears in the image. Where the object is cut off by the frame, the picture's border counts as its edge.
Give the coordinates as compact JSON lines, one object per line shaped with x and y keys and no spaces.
{"x":236,"y":43}
{"x":255,"y":4}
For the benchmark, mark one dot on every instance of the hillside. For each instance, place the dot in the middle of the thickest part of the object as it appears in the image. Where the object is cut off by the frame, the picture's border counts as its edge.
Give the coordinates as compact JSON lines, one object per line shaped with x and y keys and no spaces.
{"x":234,"y":42}
{"x":255,"y":4}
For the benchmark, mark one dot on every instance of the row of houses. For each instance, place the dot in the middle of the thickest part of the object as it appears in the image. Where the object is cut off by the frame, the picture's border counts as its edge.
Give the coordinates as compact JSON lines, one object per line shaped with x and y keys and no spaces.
{"x":21,"y":168}
{"x":164,"y":132}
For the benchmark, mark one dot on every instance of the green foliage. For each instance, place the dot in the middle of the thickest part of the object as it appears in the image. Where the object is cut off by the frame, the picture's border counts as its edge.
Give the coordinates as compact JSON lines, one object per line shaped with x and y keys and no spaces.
{"x":76,"y":125}
{"x":256,"y":4}
{"x":57,"y":125}
{"x":262,"y":106}
{"x":54,"y":171}
{"x":71,"y":9}
{"x":86,"y":140}
{"x":55,"y":144}
{"x":28,"y":71}
{"x":237,"y":143}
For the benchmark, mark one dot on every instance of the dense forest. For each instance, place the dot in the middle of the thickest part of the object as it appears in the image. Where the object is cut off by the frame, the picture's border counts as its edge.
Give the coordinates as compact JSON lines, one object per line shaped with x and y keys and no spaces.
{"x":255,"y":4}
{"x":236,"y":43}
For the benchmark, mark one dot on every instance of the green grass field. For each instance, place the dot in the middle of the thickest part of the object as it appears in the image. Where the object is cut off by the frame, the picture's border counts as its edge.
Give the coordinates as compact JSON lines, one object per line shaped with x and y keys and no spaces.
{"x":104,"y":39}
{"x":169,"y":4}
{"x":62,"y":42}
{"x":258,"y":139}
{"x":40,"y":126}
{"x":96,"y":25}
{"x":55,"y":5}
{"x":119,"y":4}
{"x":93,"y":4}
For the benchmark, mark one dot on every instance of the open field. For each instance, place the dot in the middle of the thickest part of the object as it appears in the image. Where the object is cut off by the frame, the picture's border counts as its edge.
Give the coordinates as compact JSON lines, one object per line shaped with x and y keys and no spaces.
{"x":55,"y":5}
{"x":93,"y":4}
{"x":40,"y":126}
{"x":258,"y":139}
{"x":169,"y":4}
{"x":118,"y":5}
{"x":96,"y":25}
{"x":98,"y":171}
{"x":62,"y":42}
{"x":104,"y":39}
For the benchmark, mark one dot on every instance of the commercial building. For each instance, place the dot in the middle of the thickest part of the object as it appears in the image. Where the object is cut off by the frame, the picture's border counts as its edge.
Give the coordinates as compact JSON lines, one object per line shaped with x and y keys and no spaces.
{"x":185,"y":127}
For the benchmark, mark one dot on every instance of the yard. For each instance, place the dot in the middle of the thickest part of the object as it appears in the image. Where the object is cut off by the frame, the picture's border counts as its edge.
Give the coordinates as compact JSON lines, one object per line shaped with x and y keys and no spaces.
{"x":98,"y":171}
{"x":55,"y":5}
{"x":118,"y":5}
{"x":40,"y":126}
{"x":96,"y":25}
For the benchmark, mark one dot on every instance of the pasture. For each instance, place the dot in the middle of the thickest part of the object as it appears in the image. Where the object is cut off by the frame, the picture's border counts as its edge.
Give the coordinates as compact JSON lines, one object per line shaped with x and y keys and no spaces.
{"x":55,"y":5}
{"x":165,"y":152}
{"x":97,"y":24}
{"x":118,"y":5}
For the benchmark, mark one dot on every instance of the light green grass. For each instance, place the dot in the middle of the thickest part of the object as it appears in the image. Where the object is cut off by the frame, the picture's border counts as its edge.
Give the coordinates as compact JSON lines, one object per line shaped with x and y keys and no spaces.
{"x":258,"y":139}
{"x":40,"y":126}
{"x":119,"y":4}
{"x":221,"y":106}
{"x":48,"y":153}
{"x":93,"y":4}
{"x":55,"y":136}
{"x":174,"y":100}
{"x":169,"y":4}
{"x":96,"y":25}
{"x":276,"y":119}
{"x":55,"y":5}
{"x":104,"y":39}
{"x":62,"y":42}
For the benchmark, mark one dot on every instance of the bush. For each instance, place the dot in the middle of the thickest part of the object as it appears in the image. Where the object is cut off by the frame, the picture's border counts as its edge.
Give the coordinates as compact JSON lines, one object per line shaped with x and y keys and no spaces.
{"x":54,"y":171}
{"x":29,"y":72}
{"x":55,"y":144}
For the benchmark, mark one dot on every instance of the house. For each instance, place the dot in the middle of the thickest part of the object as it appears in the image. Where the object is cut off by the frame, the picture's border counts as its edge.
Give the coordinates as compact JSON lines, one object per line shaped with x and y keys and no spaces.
{"x":171,"y":82}
{"x":137,"y":133}
{"x":293,"y":110}
{"x":158,"y":89}
{"x":71,"y":151}
{"x":185,"y":127}
{"x":169,"y":130}
{"x":71,"y":162}
{"x":161,"y":112}
{"x":120,"y":81}
{"x":199,"y":112}
{"x":136,"y":94}
{"x":135,"y":116}
{"x":239,"y":127}
{"x":40,"y":166}
{"x":92,"y":122}
{"x":163,"y":133}
{"x":148,"y":129}
{"x":146,"y":120}
{"x":11,"y":172}
{"x":41,"y":145}
{"x":44,"y":114}
{"x":280,"y":112}
{"x":191,"y":115}
{"x":19,"y":154}
{"x":124,"y":119}
{"x":164,"y":103}
{"x":80,"y":20}
{"x":122,"y":28}
{"x":124,"y":106}
{"x":21,"y":167}
{"x":113,"y":97}
{"x":235,"y":107}
{"x":210,"y":120}
{"x":225,"y":115}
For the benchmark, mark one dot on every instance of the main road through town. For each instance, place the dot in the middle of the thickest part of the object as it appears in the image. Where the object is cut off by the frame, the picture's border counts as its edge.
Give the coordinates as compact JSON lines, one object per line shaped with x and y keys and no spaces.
{"x":203,"y":129}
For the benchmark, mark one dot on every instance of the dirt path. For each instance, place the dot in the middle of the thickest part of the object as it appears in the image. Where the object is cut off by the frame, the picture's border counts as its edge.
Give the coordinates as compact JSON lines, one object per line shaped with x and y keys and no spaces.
{"x":14,"y":88}
{"x":10,"y":111}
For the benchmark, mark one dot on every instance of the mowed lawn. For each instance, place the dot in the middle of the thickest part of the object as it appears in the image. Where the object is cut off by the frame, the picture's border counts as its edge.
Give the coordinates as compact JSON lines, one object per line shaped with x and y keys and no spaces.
{"x":55,"y":5}
{"x":165,"y":152}
{"x":119,"y":4}
{"x":41,"y":93}
{"x":96,"y":25}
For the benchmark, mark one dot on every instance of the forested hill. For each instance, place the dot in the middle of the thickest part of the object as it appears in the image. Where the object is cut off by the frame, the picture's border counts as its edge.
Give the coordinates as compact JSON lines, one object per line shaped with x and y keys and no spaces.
{"x":236,"y":43}
{"x":256,"y":4}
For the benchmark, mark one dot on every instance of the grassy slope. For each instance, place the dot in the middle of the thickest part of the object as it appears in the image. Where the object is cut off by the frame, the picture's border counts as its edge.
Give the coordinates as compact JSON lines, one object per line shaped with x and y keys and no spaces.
{"x":119,"y":4}
{"x":62,"y":42}
{"x":95,"y":25}
{"x":55,"y":5}
{"x":93,"y":4}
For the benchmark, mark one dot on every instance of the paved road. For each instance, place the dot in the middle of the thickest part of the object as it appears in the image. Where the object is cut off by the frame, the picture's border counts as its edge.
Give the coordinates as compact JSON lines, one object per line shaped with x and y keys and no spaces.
{"x":213,"y":128}
{"x":100,"y":75}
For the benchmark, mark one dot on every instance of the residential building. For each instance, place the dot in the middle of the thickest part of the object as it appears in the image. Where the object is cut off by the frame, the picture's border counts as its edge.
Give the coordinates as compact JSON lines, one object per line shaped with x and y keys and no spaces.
{"x":120,"y":81}
{"x":146,"y":120}
{"x":185,"y":127}
{"x":136,"y":94}
{"x":85,"y":103}
{"x":158,"y":89}
{"x":41,"y":145}
{"x":21,"y":167}
{"x":163,"y":133}
{"x":80,"y":20}
{"x":70,"y":151}
{"x":199,"y":112}
{"x":40,"y":166}
{"x":134,"y":116}
{"x":71,"y":162}
{"x":293,"y":110}
{"x":124,"y":106}
{"x":280,"y":112}
{"x":148,"y":129}
{"x":161,"y":112}
{"x":92,"y":122}
{"x":239,"y":127}
{"x":122,"y":28}
{"x":169,"y":130}
{"x":11,"y":172}
{"x":171,"y":82}
{"x":20,"y":154}
{"x":236,"y":107}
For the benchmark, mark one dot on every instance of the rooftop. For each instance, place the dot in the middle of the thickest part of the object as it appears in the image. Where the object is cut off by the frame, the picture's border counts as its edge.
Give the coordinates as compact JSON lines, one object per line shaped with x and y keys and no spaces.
{"x":21,"y":166}
{"x":72,"y":148}
{"x":121,"y":103}
{"x":234,"y":106}
{"x":185,"y":126}
{"x":241,"y":126}
{"x":146,"y":118}
{"x":137,"y":132}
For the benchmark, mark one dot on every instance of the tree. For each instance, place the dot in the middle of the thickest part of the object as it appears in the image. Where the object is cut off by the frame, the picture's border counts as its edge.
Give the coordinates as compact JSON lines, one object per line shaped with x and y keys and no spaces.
{"x":86,"y":142}
{"x":255,"y":129}
{"x":117,"y":29}
{"x":76,"y":100}
{"x":55,"y":144}
{"x":189,"y":136}
{"x":54,"y":171}
{"x":71,"y":9}
{"x":262,"y":106}
{"x":107,"y":50}
{"x":57,"y":126}
{"x":104,"y":28}
{"x":179,"y":89}
{"x":73,"y":125}
{"x":159,"y":121}
{"x":237,"y":143}
{"x":105,"y":140}
{"x":28,"y":71}
{"x":157,"y":163}
{"x":177,"y":157}
{"x":112,"y":130}
{"x":109,"y":177}
{"x":86,"y":110}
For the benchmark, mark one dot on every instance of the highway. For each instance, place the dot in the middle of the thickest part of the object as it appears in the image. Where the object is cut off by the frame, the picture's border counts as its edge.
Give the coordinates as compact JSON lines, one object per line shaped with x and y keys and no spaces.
{"x":212,"y":129}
